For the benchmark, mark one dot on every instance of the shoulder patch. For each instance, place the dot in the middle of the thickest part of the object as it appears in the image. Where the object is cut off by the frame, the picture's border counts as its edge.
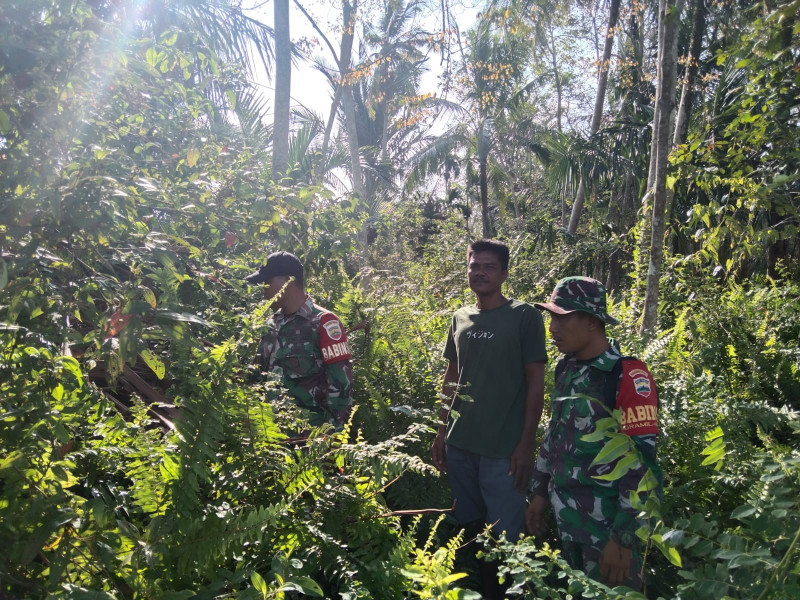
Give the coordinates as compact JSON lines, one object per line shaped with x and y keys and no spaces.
{"x":333,"y":329}
{"x":332,"y":339}
{"x":641,"y":382}
{"x":637,"y":399}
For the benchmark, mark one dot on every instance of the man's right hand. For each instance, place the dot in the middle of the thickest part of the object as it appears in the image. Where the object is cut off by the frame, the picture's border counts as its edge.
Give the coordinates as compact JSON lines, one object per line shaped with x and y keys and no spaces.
{"x":534,"y":516}
{"x":438,"y":454}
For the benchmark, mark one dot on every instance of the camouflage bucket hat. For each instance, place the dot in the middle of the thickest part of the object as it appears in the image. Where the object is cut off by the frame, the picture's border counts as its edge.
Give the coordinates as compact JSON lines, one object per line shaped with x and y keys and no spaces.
{"x":582,"y":294}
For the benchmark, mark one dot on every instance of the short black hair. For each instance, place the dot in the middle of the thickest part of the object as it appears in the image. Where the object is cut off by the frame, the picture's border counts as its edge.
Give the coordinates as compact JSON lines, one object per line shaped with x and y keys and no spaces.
{"x":496,"y":247}
{"x":601,"y":325}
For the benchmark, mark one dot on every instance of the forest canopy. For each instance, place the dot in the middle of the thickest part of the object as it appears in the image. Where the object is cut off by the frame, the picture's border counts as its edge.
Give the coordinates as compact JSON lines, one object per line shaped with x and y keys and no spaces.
{"x":144,"y":173}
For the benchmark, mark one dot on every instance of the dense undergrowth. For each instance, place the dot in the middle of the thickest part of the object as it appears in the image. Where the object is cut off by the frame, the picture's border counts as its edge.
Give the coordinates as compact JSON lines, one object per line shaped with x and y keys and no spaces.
{"x":97,"y":503}
{"x":131,"y":210}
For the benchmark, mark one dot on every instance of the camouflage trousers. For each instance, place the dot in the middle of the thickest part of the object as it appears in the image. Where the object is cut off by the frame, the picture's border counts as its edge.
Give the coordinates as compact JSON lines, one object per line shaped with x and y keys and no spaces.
{"x":587,"y":559}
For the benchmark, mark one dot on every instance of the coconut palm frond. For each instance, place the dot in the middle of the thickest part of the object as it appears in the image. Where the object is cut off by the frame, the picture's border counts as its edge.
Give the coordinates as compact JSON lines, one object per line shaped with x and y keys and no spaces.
{"x":229,"y":32}
{"x":251,"y":106}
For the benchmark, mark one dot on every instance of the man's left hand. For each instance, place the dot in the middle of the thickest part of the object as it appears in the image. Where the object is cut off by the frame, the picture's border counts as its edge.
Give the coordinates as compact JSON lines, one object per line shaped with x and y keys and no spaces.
{"x":521,"y":465}
{"x":615,"y":564}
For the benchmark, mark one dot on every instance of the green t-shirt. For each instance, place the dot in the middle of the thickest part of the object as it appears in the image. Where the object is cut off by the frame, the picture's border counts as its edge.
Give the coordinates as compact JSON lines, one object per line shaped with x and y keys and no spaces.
{"x":490,"y":349}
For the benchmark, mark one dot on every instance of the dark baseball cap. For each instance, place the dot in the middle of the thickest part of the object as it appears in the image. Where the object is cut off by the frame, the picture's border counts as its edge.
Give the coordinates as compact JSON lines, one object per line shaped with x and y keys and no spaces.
{"x":279,"y":264}
{"x":579,"y":294}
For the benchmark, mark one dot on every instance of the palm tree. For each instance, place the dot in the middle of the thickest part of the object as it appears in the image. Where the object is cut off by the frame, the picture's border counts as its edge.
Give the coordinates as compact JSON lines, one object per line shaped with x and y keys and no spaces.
{"x":386,"y":99}
{"x":493,"y":70}
{"x":602,"y":81}
{"x":306,"y":160}
{"x":222,"y":26}
{"x":374,"y":95}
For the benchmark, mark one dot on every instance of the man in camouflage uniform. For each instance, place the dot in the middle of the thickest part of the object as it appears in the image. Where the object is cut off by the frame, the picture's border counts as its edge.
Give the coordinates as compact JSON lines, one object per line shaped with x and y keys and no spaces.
{"x":304,"y":344}
{"x":595,"y":519}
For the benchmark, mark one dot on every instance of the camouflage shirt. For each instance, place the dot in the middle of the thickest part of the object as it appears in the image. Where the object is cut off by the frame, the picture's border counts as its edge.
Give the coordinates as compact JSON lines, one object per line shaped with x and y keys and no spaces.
{"x":308,"y":350}
{"x":588,"y":510}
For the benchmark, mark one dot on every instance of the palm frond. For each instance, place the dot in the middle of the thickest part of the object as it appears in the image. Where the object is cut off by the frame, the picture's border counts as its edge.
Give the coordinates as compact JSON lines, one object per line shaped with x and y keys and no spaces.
{"x":229,"y":32}
{"x":251,"y":106}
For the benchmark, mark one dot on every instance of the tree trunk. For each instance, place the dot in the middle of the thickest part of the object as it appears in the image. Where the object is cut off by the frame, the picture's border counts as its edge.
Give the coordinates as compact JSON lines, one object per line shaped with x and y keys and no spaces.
{"x":557,"y":74}
{"x":337,"y":96}
{"x":614,"y":271}
{"x":484,"y":198}
{"x":599,"y":101}
{"x":669,"y":15}
{"x":485,"y":134}
{"x":326,"y":140}
{"x":283,"y":74}
{"x":687,"y":93}
{"x":643,"y":229}
{"x":382,"y":75}
{"x":348,"y":103}
{"x":348,"y":106}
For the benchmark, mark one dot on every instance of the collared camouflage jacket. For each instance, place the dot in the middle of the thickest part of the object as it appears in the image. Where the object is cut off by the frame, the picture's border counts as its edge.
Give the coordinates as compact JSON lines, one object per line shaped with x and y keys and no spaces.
{"x":310,"y":353}
{"x":588,"y":510}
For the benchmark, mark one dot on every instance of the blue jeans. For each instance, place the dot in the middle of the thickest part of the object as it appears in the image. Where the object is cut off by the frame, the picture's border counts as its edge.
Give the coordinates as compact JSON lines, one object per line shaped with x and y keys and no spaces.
{"x":484,"y":491}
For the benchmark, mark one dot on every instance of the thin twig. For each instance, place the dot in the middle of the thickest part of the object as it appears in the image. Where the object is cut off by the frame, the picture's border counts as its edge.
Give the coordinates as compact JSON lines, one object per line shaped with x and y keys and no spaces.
{"x":406,"y":513}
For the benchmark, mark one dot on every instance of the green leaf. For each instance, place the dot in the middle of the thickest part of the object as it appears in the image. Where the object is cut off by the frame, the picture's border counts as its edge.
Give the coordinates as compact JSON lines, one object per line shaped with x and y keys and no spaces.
{"x":743,"y":511}
{"x":703,"y":548}
{"x":192,"y":156}
{"x":68,"y":363}
{"x":36,"y":541}
{"x":625,"y":464}
{"x":453,"y":577}
{"x":3,"y":274}
{"x":714,"y":452}
{"x":614,"y":448}
{"x":777,"y":476}
{"x":179,"y":317}
{"x":154,"y":362}
{"x":649,"y":482}
{"x":152,"y":56}
{"x":672,"y":555}
{"x":673,"y":537}
{"x":73,"y":592}
{"x":304,"y":585}
{"x":114,"y":364}
{"x":57,"y":392}
{"x":743,"y":560}
{"x":714,"y":446}
{"x":602,"y":428}
{"x":259,"y":583}
{"x":149,"y":297}
{"x":5,"y":122}
{"x":62,"y":435}
{"x":169,"y":38}
{"x":714,"y":457}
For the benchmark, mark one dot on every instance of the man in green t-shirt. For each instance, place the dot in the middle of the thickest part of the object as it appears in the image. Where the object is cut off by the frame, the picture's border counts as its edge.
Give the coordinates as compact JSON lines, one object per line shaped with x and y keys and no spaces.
{"x":493,"y":393}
